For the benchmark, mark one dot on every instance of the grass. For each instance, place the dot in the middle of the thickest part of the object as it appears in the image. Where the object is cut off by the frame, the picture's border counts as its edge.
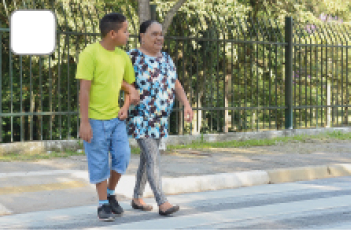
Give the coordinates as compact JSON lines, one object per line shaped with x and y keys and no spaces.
{"x":262,"y":142}
{"x":198,"y":145}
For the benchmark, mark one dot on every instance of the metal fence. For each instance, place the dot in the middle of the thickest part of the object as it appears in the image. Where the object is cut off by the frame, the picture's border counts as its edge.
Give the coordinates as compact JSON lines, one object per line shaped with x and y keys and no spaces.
{"x":240,"y":74}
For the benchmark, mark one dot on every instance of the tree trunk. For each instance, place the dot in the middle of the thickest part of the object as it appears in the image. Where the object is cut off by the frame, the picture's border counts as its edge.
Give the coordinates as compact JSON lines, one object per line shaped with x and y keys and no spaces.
{"x":144,"y":10}
{"x":145,"y":14}
{"x":171,"y":13}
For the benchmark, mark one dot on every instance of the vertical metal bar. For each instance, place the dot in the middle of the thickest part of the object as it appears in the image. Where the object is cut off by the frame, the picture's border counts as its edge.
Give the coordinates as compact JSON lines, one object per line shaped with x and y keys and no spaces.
{"x":306,"y":63}
{"x":343,"y":32}
{"x":178,"y":107}
{"x":263,"y":80}
{"x":276,"y":86}
{"x":299,"y":80}
{"x":276,"y":81}
{"x":31,"y":117}
{"x":21,"y":96}
{"x":311,"y":80}
{"x":321,"y":80}
{"x":225,"y":112}
{"x":288,"y":72}
{"x":183,"y":79}
{"x":41,"y":98}
{"x":1,"y":83}
{"x":245,"y":77}
{"x":252,"y":98}
{"x":50,"y":95}
{"x":269,"y":78}
{"x":317,"y":77}
{"x":295,"y":71}
{"x":11,"y":92}
{"x":211,"y":78}
{"x":77,"y":57}
{"x":197,"y":79}
{"x":257,"y":81}
{"x":217,"y":76}
{"x":153,"y":11}
{"x":347,"y":79}
{"x":239,"y":73}
{"x":232,"y":76}
{"x":68,"y":91}
{"x":342,"y":80}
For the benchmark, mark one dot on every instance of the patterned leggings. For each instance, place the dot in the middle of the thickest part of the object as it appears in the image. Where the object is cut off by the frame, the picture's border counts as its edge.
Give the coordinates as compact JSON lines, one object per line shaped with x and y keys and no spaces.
{"x":149,"y":169}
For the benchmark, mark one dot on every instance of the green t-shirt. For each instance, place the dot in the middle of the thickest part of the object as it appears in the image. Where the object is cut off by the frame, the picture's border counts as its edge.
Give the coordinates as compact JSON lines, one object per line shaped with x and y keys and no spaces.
{"x":106,"y":70}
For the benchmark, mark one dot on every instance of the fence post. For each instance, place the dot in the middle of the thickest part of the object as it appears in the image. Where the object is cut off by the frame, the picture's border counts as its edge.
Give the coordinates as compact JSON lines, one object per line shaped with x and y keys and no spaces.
{"x":153,"y":11}
{"x":288,"y":73}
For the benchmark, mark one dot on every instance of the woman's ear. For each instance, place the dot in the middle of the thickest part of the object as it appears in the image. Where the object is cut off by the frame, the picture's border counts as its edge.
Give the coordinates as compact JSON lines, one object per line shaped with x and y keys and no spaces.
{"x":142,"y":35}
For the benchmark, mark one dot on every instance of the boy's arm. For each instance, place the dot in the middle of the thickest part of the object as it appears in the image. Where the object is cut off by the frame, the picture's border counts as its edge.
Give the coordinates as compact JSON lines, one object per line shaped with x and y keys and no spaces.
{"x":123,"y":112}
{"x":134,"y":96}
{"x":85,"y":131}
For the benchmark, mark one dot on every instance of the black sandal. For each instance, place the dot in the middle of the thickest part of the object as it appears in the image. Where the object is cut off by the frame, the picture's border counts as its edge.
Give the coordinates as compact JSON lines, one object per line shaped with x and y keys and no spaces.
{"x":141,"y":207}
{"x":169,"y":211}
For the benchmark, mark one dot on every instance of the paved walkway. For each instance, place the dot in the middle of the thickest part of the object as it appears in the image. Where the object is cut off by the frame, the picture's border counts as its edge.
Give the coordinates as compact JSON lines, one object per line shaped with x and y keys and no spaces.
{"x":194,"y":163}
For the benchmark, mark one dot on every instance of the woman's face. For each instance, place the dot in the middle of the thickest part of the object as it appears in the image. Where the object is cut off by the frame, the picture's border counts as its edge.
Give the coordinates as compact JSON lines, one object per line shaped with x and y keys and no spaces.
{"x":152,"y":39}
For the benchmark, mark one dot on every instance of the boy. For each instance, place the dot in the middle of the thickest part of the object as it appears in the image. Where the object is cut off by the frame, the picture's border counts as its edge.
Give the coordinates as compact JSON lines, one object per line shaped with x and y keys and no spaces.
{"x":104,"y":69}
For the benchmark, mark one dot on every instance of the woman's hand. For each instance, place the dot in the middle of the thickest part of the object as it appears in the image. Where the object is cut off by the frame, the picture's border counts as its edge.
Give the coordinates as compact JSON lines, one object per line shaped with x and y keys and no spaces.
{"x":134,"y":96}
{"x":188,"y":114}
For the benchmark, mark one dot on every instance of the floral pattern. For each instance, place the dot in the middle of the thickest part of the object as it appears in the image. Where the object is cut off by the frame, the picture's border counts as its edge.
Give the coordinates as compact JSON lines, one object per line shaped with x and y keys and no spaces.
{"x":155,"y":79}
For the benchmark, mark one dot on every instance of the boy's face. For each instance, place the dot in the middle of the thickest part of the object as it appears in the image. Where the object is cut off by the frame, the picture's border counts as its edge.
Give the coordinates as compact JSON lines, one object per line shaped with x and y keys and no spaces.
{"x":121,"y":36}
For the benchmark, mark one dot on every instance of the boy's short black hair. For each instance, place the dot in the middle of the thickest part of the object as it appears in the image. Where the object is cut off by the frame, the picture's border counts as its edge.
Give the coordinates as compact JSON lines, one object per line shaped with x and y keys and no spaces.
{"x":111,"y":21}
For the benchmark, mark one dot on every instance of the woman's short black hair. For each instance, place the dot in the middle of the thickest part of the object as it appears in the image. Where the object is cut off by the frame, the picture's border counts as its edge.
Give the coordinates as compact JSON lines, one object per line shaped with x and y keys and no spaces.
{"x":144,"y":26}
{"x":111,"y":21}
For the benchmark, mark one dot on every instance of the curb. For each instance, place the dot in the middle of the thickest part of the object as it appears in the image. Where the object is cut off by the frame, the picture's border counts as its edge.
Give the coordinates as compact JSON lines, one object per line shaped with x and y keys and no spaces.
{"x":189,"y":184}
{"x":4,"y":210}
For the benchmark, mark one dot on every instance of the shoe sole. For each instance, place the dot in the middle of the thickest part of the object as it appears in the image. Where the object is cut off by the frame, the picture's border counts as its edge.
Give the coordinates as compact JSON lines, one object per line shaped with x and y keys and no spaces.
{"x":111,"y":219}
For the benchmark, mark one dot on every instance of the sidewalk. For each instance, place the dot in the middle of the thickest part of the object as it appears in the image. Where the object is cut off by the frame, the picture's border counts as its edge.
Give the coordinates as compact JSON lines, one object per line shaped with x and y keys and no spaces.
{"x":63,"y":183}
{"x":192,"y":171}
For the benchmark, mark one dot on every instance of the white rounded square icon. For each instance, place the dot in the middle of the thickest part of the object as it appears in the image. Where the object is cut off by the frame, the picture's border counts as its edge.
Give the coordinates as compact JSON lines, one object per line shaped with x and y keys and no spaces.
{"x":33,"y":32}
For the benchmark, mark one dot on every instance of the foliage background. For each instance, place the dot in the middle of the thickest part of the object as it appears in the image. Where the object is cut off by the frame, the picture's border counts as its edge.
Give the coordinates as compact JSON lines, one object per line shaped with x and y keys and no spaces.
{"x":216,"y":66}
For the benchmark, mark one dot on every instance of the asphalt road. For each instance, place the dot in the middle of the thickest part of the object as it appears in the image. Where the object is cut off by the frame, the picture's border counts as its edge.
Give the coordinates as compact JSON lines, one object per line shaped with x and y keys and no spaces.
{"x":319,"y":204}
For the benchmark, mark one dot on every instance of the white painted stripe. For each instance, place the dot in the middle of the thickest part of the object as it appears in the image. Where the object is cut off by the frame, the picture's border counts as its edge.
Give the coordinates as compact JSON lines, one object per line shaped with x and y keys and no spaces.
{"x":40,"y":173}
{"x":69,"y":215}
{"x":343,"y":225}
{"x":236,"y":215}
{"x":184,"y":184}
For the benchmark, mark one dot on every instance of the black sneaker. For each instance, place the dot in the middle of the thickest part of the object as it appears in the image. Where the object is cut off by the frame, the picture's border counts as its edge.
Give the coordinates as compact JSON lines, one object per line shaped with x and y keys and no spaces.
{"x":115,"y":207}
{"x":105,"y":213}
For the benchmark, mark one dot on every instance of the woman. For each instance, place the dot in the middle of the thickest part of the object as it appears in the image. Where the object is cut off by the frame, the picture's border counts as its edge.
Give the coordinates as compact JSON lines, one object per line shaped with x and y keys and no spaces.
{"x":156,"y":80}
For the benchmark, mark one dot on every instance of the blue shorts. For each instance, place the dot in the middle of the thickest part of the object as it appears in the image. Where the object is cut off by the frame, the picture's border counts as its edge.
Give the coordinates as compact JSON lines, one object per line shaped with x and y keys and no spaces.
{"x":109,"y":136}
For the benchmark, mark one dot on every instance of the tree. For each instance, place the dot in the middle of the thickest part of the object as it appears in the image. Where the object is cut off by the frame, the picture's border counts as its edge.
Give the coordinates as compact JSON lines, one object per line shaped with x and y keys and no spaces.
{"x":144,"y":13}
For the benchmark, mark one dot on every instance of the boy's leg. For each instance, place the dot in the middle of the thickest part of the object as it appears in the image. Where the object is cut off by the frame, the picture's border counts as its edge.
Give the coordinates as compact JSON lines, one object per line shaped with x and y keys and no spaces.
{"x":120,"y":156}
{"x":98,"y":167}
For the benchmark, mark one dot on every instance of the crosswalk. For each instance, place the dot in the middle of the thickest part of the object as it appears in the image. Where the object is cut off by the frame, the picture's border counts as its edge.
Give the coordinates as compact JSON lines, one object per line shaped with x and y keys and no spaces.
{"x":319,"y":204}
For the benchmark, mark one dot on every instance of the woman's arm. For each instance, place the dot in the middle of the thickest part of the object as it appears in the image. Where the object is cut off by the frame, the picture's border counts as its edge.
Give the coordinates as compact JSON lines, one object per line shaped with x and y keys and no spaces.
{"x":181,"y":96}
{"x":133,"y":93}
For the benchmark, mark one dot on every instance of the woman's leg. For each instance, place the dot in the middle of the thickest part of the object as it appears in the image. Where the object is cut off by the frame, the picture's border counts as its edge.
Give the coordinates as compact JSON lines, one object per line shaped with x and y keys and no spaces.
{"x":149,"y":147}
{"x":141,"y":177}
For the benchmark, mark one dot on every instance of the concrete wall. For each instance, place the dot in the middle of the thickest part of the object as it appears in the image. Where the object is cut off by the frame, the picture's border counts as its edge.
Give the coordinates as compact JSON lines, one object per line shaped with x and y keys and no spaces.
{"x":59,"y":145}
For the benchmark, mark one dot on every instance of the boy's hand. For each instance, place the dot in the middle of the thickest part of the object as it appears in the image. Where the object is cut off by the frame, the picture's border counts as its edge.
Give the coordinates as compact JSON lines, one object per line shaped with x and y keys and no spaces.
{"x":188,"y":114}
{"x":85,"y":132}
{"x":134,"y":97}
{"x":123,"y":113}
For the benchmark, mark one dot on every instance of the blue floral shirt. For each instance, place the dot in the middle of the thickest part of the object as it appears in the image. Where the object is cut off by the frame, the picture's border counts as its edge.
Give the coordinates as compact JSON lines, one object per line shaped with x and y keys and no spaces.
{"x":155,"y":79}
